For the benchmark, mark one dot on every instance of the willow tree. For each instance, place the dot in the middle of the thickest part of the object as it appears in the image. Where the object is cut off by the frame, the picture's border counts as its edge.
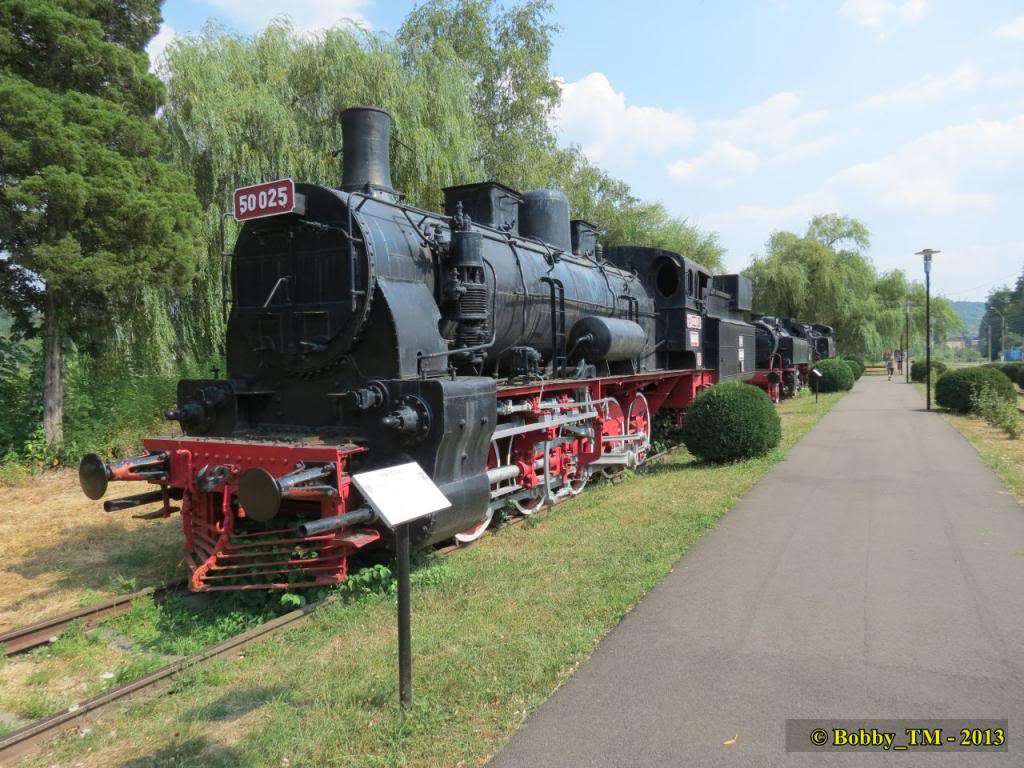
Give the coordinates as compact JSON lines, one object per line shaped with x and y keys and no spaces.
{"x":506,"y":52}
{"x":826,"y":276}
{"x":88,"y":212}
{"x":245,"y":109}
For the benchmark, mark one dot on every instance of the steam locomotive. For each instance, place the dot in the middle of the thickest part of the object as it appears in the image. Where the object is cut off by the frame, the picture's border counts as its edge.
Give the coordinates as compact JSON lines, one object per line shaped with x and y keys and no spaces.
{"x":497,"y":345}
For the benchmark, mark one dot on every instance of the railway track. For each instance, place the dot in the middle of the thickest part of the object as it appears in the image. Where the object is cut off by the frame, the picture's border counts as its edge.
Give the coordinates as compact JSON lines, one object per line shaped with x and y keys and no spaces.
{"x":25,"y":741}
{"x":46,"y":631}
{"x":29,"y":739}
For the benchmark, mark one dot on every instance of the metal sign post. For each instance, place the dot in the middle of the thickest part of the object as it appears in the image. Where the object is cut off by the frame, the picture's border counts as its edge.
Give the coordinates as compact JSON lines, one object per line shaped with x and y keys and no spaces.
{"x":404,"y":617}
{"x":817,"y":383}
{"x":401,"y":495}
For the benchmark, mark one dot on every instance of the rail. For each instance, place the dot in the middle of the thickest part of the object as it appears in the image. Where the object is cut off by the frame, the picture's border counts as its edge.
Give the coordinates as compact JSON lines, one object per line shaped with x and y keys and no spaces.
{"x":25,"y":741}
{"x":47,"y":630}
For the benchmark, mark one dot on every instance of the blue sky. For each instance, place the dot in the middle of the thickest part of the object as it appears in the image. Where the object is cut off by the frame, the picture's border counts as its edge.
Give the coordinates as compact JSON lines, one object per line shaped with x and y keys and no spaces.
{"x":747,"y":117}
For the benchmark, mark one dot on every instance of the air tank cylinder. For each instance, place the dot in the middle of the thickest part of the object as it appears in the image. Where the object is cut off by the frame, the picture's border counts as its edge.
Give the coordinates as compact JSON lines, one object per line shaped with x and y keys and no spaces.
{"x":608,"y":339}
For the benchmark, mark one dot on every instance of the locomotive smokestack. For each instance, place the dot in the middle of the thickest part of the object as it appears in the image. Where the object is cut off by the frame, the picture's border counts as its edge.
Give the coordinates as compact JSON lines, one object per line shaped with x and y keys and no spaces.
{"x":366,"y":137}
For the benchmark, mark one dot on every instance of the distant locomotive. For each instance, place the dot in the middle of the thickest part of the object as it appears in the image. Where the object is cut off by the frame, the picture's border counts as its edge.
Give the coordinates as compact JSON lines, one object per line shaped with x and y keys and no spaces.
{"x":496,"y":345}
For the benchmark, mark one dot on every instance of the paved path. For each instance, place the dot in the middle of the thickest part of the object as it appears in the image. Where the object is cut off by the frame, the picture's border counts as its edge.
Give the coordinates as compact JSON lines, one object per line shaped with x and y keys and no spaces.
{"x":877,"y":573}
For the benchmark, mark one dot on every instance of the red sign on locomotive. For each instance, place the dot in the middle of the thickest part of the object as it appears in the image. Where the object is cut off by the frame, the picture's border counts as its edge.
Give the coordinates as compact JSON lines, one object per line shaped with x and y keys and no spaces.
{"x":271,"y":198}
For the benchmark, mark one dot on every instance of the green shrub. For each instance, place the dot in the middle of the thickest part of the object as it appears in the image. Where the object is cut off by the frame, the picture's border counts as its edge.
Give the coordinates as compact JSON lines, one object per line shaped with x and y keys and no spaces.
{"x":1014,"y":371}
{"x":918,"y":369}
{"x":856,"y":366}
{"x":997,"y":410}
{"x":956,"y":389}
{"x":836,"y":376}
{"x":731,"y":421}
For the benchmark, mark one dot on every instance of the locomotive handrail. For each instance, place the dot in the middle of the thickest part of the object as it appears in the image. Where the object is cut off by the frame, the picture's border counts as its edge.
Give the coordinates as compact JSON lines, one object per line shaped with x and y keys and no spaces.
{"x":353,"y":291}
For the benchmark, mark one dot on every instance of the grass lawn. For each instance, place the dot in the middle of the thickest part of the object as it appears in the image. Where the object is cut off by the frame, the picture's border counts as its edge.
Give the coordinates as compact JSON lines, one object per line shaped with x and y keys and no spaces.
{"x":1004,"y":455}
{"x":497,"y":628}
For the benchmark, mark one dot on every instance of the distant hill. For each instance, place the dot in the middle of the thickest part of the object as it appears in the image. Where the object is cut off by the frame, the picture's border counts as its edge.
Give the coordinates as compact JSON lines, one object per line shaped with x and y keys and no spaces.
{"x":971,"y":313}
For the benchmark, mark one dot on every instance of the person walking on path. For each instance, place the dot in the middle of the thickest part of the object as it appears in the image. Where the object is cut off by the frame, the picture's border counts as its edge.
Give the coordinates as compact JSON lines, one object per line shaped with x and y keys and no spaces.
{"x":899,"y":361}
{"x":889,"y":365}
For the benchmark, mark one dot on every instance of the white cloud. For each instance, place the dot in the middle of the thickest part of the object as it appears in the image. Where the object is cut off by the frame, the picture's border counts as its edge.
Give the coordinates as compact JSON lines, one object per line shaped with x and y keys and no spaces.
{"x":934,"y":174}
{"x":156,"y":46}
{"x":774,"y":131}
{"x":722,"y":163}
{"x":596,"y":116}
{"x":306,"y":15}
{"x":877,"y":13}
{"x":775,"y":123}
{"x":1013,"y":29}
{"x":927,"y":89}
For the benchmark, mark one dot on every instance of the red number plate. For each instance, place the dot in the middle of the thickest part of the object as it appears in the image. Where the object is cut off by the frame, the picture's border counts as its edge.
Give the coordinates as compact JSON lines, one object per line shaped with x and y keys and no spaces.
{"x":271,"y":198}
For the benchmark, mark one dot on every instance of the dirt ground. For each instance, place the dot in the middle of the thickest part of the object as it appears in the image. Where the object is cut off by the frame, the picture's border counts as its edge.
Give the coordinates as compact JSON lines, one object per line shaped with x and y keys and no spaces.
{"x":59,"y":550}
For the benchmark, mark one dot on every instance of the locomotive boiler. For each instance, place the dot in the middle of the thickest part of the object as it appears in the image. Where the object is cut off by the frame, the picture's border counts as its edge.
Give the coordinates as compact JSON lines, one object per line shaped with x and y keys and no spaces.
{"x":495,"y":344}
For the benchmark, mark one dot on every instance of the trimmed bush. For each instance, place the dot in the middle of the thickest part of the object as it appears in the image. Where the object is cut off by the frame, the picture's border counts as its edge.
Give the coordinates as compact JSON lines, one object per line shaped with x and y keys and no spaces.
{"x":855,"y":365}
{"x":956,"y":390}
{"x":731,"y":421}
{"x":918,"y":368}
{"x":836,"y":376}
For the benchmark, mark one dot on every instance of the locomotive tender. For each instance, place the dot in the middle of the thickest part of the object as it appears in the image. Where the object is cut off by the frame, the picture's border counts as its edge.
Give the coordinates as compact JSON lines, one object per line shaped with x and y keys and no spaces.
{"x":497,"y":345}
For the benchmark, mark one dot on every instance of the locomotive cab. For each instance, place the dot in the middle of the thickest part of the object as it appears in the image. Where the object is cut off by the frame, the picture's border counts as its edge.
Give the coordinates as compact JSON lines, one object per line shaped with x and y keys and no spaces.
{"x":679,"y":288}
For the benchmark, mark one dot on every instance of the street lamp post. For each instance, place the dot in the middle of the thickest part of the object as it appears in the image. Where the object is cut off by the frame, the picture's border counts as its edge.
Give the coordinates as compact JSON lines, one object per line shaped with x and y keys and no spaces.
{"x":927,"y":253}
{"x":906,"y":346}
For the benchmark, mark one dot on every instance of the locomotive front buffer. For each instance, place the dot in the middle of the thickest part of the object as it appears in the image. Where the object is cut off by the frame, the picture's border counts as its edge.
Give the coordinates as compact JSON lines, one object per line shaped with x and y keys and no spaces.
{"x":255,"y":515}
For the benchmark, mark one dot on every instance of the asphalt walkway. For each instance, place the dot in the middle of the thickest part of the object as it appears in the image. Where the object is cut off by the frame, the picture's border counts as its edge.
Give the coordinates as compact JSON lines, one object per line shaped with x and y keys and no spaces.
{"x":877,"y":573}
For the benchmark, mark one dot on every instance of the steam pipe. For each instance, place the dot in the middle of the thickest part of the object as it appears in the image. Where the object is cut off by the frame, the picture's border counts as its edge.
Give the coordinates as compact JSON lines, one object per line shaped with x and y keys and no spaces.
{"x":328,"y":524}
{"x":138,"y":500}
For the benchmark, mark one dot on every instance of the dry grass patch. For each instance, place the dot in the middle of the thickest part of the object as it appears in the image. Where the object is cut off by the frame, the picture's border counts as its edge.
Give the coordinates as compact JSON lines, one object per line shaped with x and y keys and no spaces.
{"x":60,"y":550}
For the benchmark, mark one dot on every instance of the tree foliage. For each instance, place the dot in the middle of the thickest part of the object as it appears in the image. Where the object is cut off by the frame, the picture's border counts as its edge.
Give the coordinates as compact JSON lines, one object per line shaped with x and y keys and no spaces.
{"x":1005,"y":302}
{"x":506,"y":54}
{"x":88,"y":211}
{"x":826,"y":276}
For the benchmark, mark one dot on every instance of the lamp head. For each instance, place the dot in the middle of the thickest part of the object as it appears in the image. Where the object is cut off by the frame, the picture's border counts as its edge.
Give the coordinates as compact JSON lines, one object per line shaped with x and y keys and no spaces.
{"x":927,"y":253}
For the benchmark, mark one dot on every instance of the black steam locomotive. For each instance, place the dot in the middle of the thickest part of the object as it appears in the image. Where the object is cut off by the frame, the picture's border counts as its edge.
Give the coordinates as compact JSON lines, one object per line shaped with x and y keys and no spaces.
{"x":497,"y":345}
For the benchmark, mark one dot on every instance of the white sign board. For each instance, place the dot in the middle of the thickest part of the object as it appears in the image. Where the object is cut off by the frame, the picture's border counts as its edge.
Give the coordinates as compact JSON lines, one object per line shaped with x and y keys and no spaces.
{"x":401,"y":493}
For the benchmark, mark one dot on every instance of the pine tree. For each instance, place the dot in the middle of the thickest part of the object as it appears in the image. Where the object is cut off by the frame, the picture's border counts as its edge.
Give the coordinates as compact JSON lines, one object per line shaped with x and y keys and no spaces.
{"x":89,"y":213}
